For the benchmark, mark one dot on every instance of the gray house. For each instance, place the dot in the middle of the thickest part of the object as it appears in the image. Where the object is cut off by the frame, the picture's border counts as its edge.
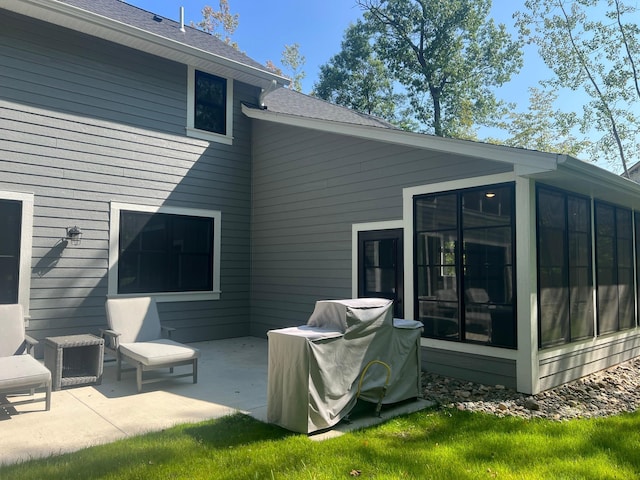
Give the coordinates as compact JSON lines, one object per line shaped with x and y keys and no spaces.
{"x":193,"y":176}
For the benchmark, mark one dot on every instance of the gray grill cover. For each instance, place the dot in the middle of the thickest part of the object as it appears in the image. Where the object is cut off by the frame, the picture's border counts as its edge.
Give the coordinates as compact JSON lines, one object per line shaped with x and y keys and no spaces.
{"x":315,"y":369}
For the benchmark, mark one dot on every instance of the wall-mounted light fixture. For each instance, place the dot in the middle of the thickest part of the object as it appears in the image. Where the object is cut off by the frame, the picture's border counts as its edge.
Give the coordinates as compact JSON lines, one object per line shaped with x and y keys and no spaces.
{"x":490,"y":194}
{"x":74,"y":235}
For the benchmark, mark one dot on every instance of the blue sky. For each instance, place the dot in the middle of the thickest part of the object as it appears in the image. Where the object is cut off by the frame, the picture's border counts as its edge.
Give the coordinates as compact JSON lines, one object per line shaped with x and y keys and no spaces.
{"x":318,"y":27}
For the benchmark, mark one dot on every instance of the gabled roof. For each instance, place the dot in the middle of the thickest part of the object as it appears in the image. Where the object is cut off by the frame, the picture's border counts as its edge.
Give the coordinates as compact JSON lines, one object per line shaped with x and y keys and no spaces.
{"x":119,"y":22}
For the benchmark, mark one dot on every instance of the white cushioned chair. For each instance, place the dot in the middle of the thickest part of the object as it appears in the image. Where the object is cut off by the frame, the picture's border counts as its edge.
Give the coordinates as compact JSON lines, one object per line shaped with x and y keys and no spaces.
{"x":20,"y":372}
{"x":136,"y":336}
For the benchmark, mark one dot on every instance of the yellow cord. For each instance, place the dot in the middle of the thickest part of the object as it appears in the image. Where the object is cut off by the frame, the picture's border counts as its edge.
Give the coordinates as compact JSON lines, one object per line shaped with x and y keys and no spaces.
{"x":384,"y":388}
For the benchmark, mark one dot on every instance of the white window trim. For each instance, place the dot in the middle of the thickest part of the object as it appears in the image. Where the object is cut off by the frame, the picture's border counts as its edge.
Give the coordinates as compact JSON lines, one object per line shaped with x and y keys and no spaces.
{"x":356,"y":228}
{"x":203,"y":134}
{"x":26,"y":246}
{"x":114,"y":235}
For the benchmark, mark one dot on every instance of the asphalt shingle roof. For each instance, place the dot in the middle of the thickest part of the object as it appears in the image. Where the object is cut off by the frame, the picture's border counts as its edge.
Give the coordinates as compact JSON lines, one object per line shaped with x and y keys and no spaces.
{"x":282,"y":100}
{"x":165,"y":27}
{"x":290,"y":102}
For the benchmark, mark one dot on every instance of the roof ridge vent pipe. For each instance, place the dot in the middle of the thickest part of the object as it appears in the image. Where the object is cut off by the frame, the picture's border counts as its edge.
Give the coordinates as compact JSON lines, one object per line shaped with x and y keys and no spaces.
{"x":182,"y":19}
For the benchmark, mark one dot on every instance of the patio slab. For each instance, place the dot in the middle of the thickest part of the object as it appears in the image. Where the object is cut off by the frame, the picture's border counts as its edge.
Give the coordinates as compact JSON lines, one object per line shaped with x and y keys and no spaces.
{"x":232,"y":377}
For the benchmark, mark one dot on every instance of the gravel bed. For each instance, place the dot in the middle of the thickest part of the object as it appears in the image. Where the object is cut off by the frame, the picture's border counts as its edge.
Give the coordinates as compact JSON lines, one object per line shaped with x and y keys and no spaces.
{"x":601,"y":394}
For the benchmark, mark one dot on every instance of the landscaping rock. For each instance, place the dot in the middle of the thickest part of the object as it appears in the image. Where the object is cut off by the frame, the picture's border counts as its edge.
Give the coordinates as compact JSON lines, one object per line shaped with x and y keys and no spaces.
{"x":604,"y":393}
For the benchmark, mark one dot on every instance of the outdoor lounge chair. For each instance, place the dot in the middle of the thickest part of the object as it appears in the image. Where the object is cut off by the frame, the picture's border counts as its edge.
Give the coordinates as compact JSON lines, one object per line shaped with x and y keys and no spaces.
{"x":20,"y":372}
{"x":135,"y":336}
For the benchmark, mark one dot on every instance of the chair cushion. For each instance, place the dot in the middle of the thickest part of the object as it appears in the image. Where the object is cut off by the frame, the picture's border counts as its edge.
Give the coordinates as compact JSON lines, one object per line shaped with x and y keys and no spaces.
{"x":158,"y":352}
{"x":135,"y":319}
{"x":12,"y":338}
{"x":22,"y":371}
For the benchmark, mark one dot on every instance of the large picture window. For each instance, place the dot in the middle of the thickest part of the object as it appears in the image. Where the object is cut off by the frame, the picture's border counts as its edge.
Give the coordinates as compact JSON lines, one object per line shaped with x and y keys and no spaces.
{"x":209,"y":107}
{"x":564,"y":267}
{"x":465,"y":265}
{"x":165,"y":251}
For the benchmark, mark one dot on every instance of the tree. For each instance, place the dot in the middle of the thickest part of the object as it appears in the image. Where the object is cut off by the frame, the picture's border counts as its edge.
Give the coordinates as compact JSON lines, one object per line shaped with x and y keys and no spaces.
{"x":448,"y":55}
{"x":220,"y":23}
{"x":590,"y":47}
{"x":292,"y":61}
{"x":541,"y":127}
{"x":357,"y":79}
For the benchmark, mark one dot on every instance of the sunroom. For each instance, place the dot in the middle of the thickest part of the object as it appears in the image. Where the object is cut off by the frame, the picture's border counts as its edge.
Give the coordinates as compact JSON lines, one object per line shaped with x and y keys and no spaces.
{"x":527,"y":280}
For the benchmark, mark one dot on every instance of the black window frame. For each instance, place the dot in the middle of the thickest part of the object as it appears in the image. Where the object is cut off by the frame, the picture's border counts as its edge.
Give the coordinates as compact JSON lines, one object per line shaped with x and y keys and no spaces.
{"x":615,"y":268}
{"x":567,"y":268}
{"x":207,"y":104}
{"x":10,"y":250}
{"x":503,"y":314}
{"x":164,"y":263}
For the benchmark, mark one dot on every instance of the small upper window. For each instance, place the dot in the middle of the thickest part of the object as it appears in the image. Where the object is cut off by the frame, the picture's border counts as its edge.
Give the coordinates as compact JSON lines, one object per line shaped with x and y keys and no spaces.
{"x":210,"y":103}
{"x":210,"y":106}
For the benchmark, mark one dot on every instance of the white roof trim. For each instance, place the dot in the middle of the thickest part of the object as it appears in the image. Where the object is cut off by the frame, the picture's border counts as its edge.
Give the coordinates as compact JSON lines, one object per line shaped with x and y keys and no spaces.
{"x":90,"y":23}
{"x":599,"y":175}
{"x":534,"y":161}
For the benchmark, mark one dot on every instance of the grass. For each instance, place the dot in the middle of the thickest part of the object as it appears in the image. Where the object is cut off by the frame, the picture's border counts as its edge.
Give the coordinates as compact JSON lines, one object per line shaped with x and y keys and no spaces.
{"x":438,"y":444}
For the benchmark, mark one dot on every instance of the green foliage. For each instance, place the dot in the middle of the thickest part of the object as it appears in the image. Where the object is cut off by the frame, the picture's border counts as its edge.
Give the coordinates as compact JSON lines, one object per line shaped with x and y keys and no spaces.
{"x":541,"y":127}
{"x":356,"y":78}
{"x":220,"y":23}
{"x":593,"y":46}
{"x":448,"y":55}
{"x":293,"y":62}
{"x":444,"y":444}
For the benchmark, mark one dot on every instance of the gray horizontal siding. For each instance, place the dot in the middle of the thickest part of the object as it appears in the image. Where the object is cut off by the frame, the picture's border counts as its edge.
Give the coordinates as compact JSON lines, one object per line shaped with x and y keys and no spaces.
{"x":564,"y":368}
{"x":85,"y":123}
{"x":473,"y":368}
{"x":87,"y":76}
{"x":309,"y":188}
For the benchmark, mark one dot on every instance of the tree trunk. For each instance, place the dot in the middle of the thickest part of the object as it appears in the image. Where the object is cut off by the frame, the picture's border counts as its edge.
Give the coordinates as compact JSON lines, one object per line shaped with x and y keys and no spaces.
{"x":437,"y":114}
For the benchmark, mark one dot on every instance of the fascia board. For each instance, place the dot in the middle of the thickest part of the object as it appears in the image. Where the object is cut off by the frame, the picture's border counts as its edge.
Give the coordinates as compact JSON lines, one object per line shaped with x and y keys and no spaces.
{"x":527,"y":160}
{"x":579,"y":168}
{"x":74,"y":18}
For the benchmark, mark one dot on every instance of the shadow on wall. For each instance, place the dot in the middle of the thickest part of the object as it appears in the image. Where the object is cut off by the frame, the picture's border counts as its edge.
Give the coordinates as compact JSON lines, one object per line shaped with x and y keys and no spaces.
{"x":50,"y":259}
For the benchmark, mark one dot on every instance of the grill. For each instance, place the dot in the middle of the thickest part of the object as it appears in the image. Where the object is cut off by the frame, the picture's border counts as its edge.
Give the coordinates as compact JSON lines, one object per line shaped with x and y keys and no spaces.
{"x":348,"y":350}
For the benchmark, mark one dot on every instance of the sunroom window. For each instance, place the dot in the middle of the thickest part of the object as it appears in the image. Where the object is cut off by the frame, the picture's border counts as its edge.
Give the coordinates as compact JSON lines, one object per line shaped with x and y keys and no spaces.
{"x":615,"y":269}
{"x":465,"y":265}
{"x":564,"y":267}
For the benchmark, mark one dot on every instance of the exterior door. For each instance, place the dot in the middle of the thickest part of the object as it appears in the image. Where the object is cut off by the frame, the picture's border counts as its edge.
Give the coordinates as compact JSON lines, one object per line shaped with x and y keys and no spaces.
{"x":380,"y":267}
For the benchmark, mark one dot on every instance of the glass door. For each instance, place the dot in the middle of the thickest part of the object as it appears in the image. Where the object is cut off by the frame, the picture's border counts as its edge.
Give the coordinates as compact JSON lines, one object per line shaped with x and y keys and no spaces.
{"x":380,"y":267}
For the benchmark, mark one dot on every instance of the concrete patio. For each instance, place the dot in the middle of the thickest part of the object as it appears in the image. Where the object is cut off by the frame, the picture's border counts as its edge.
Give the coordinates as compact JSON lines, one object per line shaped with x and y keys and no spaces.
{"x":232,"y":377}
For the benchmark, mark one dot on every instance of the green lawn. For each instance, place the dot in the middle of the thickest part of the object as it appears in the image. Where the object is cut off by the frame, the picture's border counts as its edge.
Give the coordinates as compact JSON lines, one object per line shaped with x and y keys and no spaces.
{"x":438,"y":444}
